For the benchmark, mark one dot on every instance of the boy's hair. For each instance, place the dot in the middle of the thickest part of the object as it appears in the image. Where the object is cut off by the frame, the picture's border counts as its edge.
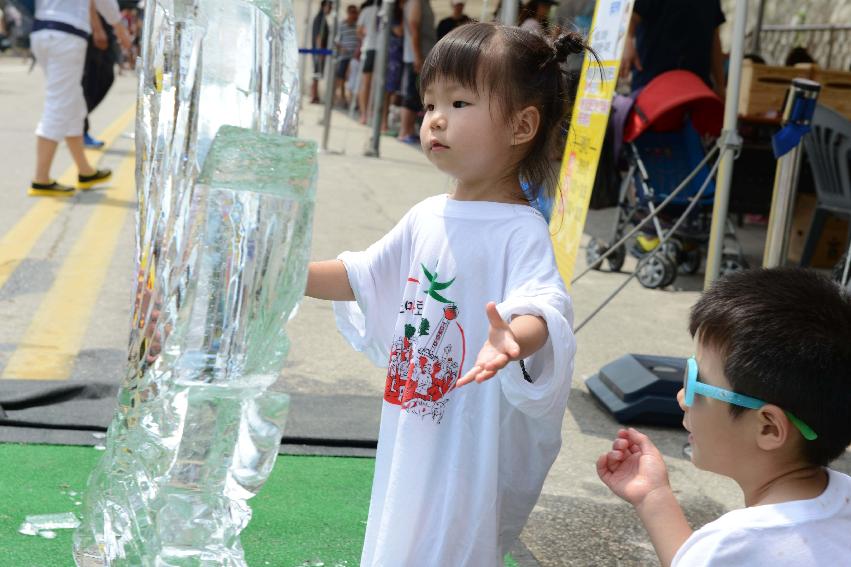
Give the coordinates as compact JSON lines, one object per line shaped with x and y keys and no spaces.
{"x":520,"y":69}
{"x":785,"y":337}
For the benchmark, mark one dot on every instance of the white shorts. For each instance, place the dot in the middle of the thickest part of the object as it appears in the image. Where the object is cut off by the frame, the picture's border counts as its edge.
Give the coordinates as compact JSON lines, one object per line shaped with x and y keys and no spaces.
{"x":62,"y":57}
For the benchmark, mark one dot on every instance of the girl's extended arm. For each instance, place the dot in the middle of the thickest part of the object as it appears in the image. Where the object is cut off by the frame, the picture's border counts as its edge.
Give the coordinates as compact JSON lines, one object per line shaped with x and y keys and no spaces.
{"x":521,"y":338}
{"x":635,"y":471}
{"x":329,"y":280}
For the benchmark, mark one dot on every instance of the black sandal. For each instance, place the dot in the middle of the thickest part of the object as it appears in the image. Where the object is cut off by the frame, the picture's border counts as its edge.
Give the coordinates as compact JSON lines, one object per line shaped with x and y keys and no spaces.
{"x":52,"y":189}
{"x":88,"y":181}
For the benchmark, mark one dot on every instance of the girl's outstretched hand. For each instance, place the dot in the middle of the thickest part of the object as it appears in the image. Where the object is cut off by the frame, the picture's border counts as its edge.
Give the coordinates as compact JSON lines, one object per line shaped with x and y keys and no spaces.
{"x":500,"y":348}
{"x":633,"y":468}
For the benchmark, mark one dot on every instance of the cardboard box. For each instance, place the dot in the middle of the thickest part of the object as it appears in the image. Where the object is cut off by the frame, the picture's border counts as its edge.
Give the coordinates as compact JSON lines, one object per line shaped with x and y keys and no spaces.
{"x":835,"y":90}
{"x":832,"y":243}
{"x":763,"y":89}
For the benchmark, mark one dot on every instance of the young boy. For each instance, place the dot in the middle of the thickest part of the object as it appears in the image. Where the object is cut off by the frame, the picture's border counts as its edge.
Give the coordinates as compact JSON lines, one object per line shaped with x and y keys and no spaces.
{"x":767,"y":402}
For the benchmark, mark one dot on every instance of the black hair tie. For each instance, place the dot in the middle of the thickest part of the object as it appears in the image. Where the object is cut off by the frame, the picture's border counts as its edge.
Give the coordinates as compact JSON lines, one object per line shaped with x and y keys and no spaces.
{"x":566,"y":44}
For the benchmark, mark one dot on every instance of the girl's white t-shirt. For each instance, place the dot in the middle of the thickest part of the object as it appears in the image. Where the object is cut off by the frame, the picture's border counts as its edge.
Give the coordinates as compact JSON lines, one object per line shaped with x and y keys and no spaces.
{"x":800,"y":533}
{"x":367,"y":19}
{"x":458,"y":471}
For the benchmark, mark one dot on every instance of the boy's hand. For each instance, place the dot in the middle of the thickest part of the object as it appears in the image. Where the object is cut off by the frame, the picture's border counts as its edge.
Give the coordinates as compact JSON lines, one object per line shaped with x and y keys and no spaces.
{"x":633,"y":468}
{"x":500,"y":348}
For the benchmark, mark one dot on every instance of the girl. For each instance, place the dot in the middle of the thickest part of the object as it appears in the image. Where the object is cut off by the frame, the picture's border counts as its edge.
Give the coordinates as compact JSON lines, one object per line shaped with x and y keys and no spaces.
{"x":459,"y":469}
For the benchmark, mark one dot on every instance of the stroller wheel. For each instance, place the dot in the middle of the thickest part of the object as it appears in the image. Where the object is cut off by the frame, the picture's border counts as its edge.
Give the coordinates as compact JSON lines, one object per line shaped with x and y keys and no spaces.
{"x":673,"y":249}
{"x":690,"y":263}
{"x":656,"y":270}
{"x":672,"y":275}
{"x":731,"y":263}
{"x":592,"y":254}
{"x":616,"y":259}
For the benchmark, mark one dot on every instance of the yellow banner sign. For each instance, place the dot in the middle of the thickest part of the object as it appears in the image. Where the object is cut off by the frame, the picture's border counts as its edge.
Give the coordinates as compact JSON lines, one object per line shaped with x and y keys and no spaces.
{"x":587,"y":130}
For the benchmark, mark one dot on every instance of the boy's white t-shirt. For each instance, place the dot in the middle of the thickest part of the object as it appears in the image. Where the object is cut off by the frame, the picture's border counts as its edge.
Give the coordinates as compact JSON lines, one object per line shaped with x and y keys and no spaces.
{"x":457,"y":471}
{"x":801,"y":533}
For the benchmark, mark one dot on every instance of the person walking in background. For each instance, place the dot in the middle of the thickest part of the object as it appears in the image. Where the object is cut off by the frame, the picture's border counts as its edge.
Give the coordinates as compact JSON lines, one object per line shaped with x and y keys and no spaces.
{"x":319,"y":40}
{"x":664,"y":35}
{"x":347,"y":45}
{"x":4,"y":36}
{"x":60,"y":34}
{"x":534,"y":16}
{"x":368,"y":33}
{"x":131,"y":22}
{"x":395,"y":50}
{"x":99,"y":70}
{"x":458,"y":18}
{"x":420,"y":37}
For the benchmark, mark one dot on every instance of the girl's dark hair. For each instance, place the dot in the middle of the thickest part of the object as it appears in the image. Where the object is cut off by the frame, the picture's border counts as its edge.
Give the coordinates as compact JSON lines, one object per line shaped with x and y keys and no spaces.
{"x":520,"y":69}
{"x":785,"y":337}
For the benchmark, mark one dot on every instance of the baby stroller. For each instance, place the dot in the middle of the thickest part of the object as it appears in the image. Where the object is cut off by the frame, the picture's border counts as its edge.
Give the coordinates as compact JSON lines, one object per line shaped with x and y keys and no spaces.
{"x":663,"y":143}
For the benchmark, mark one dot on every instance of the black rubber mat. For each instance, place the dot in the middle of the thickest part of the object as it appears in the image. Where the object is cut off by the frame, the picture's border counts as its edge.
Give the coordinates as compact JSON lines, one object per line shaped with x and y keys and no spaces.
{"x":78,"y":413}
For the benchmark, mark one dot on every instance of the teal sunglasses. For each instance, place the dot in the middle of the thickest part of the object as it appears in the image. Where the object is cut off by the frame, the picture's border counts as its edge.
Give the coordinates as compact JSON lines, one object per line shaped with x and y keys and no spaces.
{"x":691,"y":387}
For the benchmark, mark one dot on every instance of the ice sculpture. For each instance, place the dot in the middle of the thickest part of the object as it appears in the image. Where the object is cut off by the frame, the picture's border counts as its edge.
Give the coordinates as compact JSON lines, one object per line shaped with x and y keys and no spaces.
{"x":223,"y":237}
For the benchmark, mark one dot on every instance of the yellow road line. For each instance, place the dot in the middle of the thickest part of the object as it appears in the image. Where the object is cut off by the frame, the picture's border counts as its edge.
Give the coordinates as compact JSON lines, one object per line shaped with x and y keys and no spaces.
{"x":16,"y":244}
{"x":51,"y":344}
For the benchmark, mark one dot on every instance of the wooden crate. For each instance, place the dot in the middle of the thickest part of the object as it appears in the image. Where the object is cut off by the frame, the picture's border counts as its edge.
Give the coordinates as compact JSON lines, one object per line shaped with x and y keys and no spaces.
{"x":831,"y":244}
{"x":764,"y":88}
{"x":835,"y":90}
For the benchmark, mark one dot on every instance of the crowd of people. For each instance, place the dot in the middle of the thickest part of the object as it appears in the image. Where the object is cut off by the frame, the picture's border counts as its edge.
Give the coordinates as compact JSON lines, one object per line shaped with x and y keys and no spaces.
{"x":413,"y":33}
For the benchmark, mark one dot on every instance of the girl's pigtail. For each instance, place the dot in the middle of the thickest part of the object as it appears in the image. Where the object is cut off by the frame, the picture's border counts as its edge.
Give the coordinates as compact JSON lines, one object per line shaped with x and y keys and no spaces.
{"x":565,"y":45}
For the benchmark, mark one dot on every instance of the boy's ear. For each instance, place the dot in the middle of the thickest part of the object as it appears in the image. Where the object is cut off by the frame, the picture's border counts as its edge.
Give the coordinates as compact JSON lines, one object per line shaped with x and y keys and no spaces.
{"x":774,"y":428}
{"x":526,"y":124}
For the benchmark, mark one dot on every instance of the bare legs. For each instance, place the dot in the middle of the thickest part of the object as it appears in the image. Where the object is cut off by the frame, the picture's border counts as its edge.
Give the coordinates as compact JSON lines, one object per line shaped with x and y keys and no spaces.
{"x":363,"y":96}
{"x":408,"y":119}
{"x":385,"y":110}
{"x":45,"y":150}
{"x":341,"y":87}
{"x":75,"y":146}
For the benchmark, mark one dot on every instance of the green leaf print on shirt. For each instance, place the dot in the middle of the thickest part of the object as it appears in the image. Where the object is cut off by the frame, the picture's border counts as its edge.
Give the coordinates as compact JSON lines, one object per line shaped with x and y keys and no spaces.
{"x":435,"y":286}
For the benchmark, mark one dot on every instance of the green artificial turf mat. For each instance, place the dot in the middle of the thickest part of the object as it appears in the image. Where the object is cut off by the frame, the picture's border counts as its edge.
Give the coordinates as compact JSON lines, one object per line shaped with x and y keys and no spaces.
{"x":311,"y":511}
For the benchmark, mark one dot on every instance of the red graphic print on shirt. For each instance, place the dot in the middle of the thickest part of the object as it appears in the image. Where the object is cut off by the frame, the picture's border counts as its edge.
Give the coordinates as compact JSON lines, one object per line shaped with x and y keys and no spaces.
{"x":428,"y":351}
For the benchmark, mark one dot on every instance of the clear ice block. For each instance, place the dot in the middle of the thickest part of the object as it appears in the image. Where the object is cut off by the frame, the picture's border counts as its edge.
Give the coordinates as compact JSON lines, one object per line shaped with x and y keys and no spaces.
{"x":223,"y":237}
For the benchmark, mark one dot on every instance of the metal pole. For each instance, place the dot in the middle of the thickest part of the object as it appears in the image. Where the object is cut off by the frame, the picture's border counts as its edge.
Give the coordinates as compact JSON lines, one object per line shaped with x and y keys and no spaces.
{"x":379,"y":77}
{"x":800,"y":104}
{"x":757,"y":31}
{"x":731,"y":141}
{"x":829,"y":47}
{"x":509,"y":12}
{"x":306,"y":42}
{"x":785,"y":185}
{"x":330,"y":74}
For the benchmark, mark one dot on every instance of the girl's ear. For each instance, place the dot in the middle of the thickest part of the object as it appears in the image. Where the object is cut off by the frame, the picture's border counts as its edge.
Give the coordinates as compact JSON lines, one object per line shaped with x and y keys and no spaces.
{"x":774,"y":427}
{"x":526,"y":123}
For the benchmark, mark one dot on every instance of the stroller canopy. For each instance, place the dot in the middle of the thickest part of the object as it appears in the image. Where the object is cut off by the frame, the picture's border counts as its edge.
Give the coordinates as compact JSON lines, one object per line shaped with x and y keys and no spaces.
{"x":665,"y":102}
